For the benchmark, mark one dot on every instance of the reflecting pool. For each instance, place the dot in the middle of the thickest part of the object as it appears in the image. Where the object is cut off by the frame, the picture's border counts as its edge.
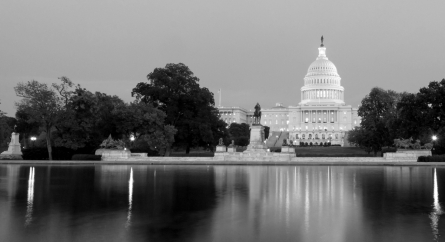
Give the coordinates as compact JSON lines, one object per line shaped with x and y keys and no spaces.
{"x":221,"y":203}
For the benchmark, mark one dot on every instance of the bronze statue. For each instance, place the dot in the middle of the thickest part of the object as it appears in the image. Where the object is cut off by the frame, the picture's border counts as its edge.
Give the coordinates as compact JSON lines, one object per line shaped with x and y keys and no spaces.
{"x":257,"y":115}
{"x":322,"y":41}
{"x":221,"y":142}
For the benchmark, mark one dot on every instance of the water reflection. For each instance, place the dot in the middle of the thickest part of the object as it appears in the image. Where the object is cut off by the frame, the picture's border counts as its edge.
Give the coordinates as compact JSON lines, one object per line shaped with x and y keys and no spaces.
{"x":219,"y":203}
{"x":130,"y":198}
{"x":30,"y":201}
{"x":437,"y":209}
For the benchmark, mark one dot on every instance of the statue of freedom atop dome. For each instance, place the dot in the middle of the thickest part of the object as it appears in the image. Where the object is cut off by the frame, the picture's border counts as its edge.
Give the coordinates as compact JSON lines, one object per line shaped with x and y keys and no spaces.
{"x":322,"y":41}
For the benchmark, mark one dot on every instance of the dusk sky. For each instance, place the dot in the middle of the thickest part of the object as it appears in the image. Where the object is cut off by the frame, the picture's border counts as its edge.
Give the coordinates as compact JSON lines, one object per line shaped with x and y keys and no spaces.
{"x":255,"y":51}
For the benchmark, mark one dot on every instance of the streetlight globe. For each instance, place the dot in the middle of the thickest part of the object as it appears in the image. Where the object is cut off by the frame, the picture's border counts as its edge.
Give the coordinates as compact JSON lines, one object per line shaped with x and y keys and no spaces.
{"x":132,"y":138}
{"x":434,"y":138}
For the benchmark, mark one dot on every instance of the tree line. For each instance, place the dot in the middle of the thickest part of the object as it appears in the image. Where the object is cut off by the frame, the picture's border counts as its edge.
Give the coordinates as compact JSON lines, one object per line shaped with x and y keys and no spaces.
{"x":388,"y":115}
{"x":169,"y":111}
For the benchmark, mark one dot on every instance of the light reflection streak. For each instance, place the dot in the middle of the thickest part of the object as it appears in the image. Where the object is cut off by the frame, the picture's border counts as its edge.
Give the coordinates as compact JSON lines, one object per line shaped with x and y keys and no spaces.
{"x":130,"y":198}
{"x":30,"y":203}
{"x":437,"y":209}
{"x":306,"y":204}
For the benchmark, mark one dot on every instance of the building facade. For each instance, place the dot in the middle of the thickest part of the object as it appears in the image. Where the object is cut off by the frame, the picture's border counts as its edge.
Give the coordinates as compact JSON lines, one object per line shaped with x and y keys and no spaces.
{"x":321,"y":115}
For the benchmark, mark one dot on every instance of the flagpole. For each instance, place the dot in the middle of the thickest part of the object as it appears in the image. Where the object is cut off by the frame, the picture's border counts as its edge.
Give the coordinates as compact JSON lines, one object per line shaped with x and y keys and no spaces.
{"x":220,"y":93}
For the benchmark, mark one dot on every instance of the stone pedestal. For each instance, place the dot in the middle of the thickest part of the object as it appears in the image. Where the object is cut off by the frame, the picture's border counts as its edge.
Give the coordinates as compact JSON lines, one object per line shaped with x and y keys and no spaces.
{"x":115,"y":154}
{"x":14,"y":151}
{"x":231,"y":149}
{"x":406,"y":154}
{"x":256,"y":144}
{"x":288,"y":150}
{"x":221,"y":149}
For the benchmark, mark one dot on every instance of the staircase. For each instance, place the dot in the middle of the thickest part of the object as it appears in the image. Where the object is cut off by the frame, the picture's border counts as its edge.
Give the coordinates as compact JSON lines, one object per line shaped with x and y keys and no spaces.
{"x":275,"y":139}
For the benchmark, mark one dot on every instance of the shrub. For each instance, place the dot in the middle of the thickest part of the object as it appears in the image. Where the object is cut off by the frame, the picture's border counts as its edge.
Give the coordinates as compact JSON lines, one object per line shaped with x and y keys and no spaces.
{"x":86,"y":157}
{"x":434,"y":158}
{"x":334,"y":155}
{"x":59,"y":153}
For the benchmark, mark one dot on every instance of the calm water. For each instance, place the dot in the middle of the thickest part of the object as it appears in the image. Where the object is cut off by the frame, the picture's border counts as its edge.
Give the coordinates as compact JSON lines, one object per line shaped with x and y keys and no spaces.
{"x":221,"y":203}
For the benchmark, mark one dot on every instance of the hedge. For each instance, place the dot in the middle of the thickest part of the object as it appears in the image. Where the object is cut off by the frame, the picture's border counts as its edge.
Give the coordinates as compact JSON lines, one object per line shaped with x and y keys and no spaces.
{"x":86,"y":157}
{"x":334,"y":155}
{"x":435,"y":158}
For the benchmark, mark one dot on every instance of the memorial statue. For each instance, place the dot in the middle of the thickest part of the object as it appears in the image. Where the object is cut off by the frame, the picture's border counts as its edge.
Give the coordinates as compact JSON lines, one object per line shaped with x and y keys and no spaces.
{"x":221,"y":142}
{"x":257,"y":115}
{"x":232,"y":144}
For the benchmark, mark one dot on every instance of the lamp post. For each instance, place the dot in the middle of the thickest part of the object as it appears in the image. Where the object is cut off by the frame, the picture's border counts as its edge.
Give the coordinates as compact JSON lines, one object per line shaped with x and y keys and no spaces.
{"x":132,"y":138}
{"x":434,"y":141}
{"x":33,"y":139}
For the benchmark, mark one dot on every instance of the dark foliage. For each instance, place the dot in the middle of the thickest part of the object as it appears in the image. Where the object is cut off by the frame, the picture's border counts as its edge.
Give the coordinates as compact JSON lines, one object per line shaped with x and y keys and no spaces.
{"x":434,"y":158}
{"x":86,"y":157}
{"x":334,"y":155}
{"x":59,"y":153}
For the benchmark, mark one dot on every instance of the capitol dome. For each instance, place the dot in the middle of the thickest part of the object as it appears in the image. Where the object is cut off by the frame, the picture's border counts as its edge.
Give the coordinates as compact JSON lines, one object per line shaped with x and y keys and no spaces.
{"x":322,"y":84}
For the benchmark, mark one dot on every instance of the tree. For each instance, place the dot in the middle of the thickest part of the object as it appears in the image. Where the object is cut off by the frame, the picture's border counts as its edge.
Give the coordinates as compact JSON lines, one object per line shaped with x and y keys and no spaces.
{"x":240,"y":133}
{"x":42,"y":104}
{"x":423,"y":114}
{"x":361,"y":138}
{"x":142,"y":120}
{"x":189,"y":108}
{"x":380,"y":117}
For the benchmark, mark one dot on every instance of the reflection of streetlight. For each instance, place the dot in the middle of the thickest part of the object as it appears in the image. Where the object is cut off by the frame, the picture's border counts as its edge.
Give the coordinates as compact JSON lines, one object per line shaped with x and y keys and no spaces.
{"x":33,"y":139}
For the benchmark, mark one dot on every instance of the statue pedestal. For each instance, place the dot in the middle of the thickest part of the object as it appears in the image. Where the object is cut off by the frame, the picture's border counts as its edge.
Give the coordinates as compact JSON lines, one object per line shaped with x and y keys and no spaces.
{"x":411,"y":155}
{"x":256,"y":144}
{"x":109,"y":154}
{"x":287,"y":150}
{"x":14,"y":151}
{"x":221,"y":149}
{"x":231,"y":149}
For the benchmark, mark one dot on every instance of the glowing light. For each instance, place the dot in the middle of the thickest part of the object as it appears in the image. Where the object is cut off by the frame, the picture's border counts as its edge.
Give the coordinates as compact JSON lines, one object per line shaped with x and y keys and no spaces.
{"x":434,"y":138}
{"x":29,"y":207}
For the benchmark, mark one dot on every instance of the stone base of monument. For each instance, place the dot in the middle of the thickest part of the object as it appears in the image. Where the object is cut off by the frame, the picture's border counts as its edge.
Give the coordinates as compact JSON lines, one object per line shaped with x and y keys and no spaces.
{"x":114,"y":154}
{"x":220,"y":149}
{"x":14,"y":151}
{"x":408,"y":155}
{"x":231,"y":149}
{"x":288,"y":150}
{"x":256,"y":144}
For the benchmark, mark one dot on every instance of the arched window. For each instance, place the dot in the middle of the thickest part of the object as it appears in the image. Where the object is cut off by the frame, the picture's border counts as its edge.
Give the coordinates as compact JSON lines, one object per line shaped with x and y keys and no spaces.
{"x":304,"y":136}
{"x":310,"y":136}
{"x":322,"y":136}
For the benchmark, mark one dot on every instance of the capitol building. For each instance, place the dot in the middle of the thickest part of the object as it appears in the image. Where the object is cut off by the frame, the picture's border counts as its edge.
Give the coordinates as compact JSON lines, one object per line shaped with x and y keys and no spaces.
{"x":321,"y":116}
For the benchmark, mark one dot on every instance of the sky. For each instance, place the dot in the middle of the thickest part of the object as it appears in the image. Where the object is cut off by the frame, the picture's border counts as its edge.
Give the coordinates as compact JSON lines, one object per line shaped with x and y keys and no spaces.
{"x":255,"y":51}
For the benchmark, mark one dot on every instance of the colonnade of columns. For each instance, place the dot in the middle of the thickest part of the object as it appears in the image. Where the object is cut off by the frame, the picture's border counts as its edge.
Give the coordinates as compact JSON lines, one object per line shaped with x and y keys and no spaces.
{"x":323,"y":94}
{"x":330,"y":115}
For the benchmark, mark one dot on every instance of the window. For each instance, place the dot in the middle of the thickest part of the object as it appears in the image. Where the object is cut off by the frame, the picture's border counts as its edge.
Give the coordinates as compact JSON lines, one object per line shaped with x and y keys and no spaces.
{"x":303,"y":136}
{"x":296,"y":136}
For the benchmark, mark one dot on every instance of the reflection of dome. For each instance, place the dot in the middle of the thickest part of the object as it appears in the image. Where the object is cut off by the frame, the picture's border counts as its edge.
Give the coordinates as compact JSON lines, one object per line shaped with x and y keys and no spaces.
{"x":322,"y":82}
